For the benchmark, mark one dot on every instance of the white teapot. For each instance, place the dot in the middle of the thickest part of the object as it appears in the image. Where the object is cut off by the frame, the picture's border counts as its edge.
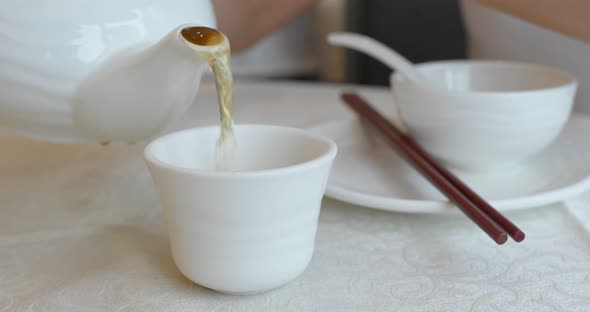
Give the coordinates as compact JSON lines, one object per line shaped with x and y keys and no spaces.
{"x":85,"y":71}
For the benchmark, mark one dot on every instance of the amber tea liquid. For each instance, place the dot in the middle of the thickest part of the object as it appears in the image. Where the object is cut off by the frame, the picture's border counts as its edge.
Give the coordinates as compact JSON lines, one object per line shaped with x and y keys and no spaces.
{"x":219,"y":61}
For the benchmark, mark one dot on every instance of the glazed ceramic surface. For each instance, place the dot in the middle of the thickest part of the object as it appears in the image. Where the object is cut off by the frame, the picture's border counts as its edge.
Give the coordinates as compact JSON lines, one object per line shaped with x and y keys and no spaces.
{"x":368,"y":173}
{"x":481,"y":115}
{"x":77,"y":71}
{"x":249,"y":230}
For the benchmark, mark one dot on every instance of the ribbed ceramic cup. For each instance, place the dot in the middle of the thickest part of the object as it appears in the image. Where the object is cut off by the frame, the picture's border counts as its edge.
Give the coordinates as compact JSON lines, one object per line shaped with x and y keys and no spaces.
{"x":251,"y":229}
{"x":485,"y":114}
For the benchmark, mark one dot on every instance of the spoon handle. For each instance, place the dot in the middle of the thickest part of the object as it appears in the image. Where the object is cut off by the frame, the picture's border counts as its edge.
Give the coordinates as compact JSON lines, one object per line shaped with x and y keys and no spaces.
{"x":378,"y":51}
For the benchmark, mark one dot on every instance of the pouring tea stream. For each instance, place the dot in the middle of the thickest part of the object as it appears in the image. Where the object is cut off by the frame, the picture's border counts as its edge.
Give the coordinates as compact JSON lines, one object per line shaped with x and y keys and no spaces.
{"x":213,"y":46}
{"x":165,"y":78}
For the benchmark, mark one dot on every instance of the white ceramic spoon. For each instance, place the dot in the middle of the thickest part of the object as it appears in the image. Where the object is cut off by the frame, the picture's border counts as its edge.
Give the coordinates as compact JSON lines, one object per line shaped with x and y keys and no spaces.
{"x":380,"y":52}
{"x":384,"y":54}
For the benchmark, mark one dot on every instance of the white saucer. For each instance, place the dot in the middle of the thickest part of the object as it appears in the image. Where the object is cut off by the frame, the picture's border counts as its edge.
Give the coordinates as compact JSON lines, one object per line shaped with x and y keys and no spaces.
{"x":368,"y":173}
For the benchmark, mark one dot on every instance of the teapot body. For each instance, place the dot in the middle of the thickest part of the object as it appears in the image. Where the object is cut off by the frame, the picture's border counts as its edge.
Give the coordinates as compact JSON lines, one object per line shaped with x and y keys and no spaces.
{"x":49,"y":48}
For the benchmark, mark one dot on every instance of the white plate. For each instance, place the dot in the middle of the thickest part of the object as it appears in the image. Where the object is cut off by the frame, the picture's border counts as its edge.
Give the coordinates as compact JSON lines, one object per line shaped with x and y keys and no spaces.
{"x":367,"y":173}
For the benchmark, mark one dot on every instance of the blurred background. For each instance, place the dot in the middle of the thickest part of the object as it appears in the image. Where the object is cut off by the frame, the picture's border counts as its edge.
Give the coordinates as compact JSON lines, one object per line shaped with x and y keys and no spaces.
{"x":422,"y":30}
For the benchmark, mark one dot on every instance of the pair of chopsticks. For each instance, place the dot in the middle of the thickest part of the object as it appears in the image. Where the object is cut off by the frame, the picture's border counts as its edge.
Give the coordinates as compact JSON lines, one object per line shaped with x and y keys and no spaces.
{"x":476,"y":208}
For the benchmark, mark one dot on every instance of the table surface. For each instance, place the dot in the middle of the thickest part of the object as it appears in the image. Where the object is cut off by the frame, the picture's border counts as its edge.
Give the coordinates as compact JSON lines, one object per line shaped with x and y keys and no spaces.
{"x":81,"y":229}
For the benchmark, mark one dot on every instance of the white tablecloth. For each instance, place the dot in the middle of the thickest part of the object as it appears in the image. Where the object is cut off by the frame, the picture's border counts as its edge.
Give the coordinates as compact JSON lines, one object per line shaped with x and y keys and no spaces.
{"x":81,"y":229}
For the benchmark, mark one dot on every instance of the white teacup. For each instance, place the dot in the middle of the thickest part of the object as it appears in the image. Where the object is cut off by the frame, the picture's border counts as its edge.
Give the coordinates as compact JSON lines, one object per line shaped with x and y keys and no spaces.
{"x":248,"y":230}
{"x":485,"y":114}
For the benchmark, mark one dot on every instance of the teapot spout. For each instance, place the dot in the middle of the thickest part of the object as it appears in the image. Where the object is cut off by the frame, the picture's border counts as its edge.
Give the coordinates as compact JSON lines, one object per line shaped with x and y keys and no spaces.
{"x":138,"y":92}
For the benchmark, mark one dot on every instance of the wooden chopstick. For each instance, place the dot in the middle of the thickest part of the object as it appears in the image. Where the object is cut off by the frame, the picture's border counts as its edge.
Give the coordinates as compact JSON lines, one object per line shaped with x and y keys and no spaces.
{"x":477,"y":209}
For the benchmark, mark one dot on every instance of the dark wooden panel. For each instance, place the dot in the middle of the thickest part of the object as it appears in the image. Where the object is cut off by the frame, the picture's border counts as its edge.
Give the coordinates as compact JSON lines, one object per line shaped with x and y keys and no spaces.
{"x":422,"y":30}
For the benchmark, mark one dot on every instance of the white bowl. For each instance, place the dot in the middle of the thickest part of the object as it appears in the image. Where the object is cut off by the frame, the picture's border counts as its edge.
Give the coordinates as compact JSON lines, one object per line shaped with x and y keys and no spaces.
{"x":485,"y":114}
{"x":249,"y":230}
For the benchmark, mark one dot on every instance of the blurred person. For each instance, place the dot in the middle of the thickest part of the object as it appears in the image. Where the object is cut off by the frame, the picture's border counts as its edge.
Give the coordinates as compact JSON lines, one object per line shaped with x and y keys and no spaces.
{"x":276,"y":33}
{"x":269,"y":39}
{"x":568,"y":17}
{"x":246,"y":22}
{"x":550,"y":32}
